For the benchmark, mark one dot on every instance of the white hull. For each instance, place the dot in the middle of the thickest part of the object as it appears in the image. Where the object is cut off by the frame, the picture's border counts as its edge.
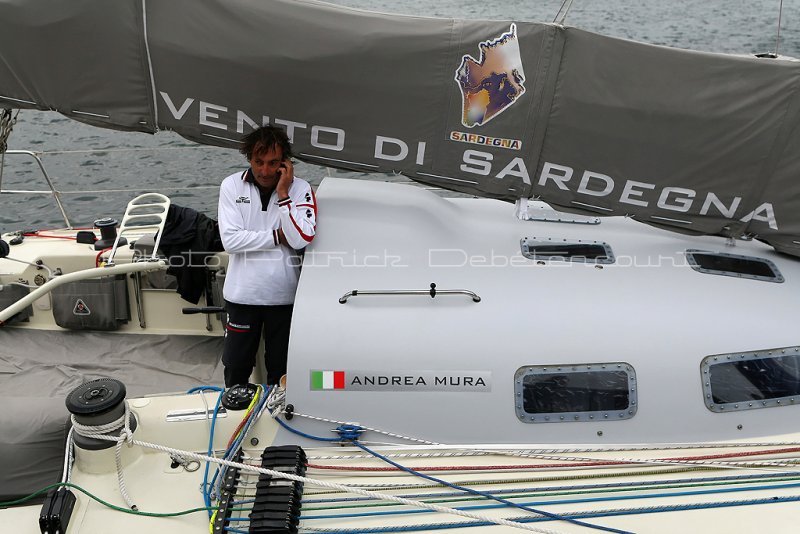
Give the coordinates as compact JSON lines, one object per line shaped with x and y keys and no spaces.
{"x":672,"y":461}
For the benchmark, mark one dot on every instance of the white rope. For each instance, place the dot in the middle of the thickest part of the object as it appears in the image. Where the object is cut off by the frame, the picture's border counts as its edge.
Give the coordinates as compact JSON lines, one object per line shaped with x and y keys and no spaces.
{"x":532,"y":453}
{"x":275,"y":400}
{"x":540,"y":453}
{"x":127,"y":436}
{"x":101,"y":432}
{"x":68,"y":458}
{"x":635,"y":462}
{"x":120,"y":478}
{"x":630,"y":461}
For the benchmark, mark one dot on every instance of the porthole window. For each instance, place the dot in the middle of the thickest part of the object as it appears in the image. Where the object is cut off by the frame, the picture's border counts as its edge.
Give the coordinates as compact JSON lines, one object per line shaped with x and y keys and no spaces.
{"x":574,"y":250}
{"x":580,"y":392}
{"x":719,"y":263}
{"x":751,"y":380}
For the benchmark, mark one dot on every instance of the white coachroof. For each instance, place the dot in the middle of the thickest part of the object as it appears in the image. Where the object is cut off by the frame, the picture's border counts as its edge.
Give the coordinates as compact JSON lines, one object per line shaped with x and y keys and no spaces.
{"x":648,"y":309}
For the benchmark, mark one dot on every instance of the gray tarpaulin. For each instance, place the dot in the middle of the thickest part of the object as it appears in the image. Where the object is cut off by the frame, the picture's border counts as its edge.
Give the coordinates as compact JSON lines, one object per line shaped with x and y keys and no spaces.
{"x":693,"y":142}
{"x":38,"y":370}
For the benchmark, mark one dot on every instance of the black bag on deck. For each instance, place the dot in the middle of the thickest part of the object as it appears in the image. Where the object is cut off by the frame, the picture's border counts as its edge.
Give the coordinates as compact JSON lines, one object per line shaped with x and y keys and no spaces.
{"x":98,"y":304}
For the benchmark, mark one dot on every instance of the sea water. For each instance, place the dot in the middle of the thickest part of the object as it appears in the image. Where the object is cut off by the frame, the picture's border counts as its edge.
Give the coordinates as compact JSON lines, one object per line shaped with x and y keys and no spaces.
{"x":99,"y":171}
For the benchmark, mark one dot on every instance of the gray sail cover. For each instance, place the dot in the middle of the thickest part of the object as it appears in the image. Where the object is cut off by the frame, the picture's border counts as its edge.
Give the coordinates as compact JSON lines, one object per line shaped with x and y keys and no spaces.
{"x":694,"y":142}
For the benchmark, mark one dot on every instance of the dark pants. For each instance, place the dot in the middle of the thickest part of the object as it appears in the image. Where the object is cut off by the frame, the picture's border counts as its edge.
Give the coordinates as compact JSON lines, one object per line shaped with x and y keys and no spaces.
{"x":243,"y":331}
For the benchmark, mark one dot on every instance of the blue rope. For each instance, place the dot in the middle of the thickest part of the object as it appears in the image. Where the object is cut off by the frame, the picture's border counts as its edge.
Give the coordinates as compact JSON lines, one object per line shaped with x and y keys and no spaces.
{"x":206,"y":493}
{"x":566,"y":501}
{"x":303,"y":434}
{"x":486,"y":495}
{"x":609,"y":486}
{"x":679,"y":508}
{"x":587,"y":515}
{"x":231,"y":451}
{"x":349,"y":432}
{"x":453,"y":486}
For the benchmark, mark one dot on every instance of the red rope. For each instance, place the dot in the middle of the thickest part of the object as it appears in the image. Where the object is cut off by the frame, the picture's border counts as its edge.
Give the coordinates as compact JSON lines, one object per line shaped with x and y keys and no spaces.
{"x":236,"y":432}
{"x":97,"y":258}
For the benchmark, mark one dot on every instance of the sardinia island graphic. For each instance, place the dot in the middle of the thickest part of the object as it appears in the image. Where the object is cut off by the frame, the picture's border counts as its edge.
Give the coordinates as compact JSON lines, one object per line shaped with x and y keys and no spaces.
{"x":490,"y":85}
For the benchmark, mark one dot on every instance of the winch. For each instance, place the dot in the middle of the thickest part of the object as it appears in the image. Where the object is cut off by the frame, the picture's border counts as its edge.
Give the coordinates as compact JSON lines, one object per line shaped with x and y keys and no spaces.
{"x":96,"y":404}
{"x":108,"y":233}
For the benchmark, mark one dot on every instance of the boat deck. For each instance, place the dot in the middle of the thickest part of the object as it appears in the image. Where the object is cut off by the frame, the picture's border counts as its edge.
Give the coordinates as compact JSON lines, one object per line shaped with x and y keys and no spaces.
{"x":723,"y":487}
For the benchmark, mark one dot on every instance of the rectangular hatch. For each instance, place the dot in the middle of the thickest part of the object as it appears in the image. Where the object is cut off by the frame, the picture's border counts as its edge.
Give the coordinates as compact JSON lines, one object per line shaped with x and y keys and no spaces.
{"x":573,"y":250}
{"x":719,"y":263}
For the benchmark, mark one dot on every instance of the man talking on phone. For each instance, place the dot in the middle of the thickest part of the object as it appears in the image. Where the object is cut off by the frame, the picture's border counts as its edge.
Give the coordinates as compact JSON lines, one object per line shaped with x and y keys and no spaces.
{"x":266,"y":216}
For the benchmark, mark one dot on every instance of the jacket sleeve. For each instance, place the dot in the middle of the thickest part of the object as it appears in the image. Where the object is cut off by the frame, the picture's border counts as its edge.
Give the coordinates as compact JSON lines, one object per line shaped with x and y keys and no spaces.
{"x":299,"y":217}
{"x":235,"y":237}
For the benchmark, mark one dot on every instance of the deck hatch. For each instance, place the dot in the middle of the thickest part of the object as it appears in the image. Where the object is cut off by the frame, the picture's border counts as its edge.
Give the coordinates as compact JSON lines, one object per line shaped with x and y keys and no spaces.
{"x":719,"y":263}
{"x":751,"y":380}
{"x":580,"y":392}
{"x":574,"y":250}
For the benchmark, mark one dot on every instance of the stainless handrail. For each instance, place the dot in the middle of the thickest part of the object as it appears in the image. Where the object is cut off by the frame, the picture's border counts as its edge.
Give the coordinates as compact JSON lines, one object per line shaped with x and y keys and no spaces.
{"x":85,"y":274}
{"x":432,"y":292}
{"x":56,"y":194}
{"x":156,"y":206}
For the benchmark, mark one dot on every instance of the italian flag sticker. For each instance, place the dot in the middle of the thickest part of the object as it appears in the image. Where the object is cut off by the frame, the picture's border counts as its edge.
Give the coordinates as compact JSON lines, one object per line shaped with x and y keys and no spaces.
{"x":327,"y":379}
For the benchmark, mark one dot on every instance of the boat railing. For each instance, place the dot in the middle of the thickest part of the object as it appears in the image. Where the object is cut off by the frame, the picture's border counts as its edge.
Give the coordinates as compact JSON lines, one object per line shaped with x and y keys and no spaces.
{"x":51,"y":191}
{"x":56,"y":281}
{"x":58,"y":195}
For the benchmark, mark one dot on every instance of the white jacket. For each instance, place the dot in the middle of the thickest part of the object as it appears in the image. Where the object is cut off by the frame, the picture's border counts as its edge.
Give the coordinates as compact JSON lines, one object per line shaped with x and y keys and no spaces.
{"x":261,"y":271}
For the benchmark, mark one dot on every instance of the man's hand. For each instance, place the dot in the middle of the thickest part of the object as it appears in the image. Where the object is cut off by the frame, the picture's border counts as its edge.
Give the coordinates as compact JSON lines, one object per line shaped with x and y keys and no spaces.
{"x":285,"y":177}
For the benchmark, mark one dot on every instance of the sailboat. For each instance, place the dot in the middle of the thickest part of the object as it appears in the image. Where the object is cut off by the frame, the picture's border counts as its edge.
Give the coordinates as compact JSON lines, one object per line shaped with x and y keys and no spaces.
{"x":534,"y":359}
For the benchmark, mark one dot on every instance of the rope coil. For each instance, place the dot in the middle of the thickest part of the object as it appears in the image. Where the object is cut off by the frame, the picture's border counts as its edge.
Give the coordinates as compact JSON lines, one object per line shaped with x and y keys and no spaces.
{"x":101,"y":432}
